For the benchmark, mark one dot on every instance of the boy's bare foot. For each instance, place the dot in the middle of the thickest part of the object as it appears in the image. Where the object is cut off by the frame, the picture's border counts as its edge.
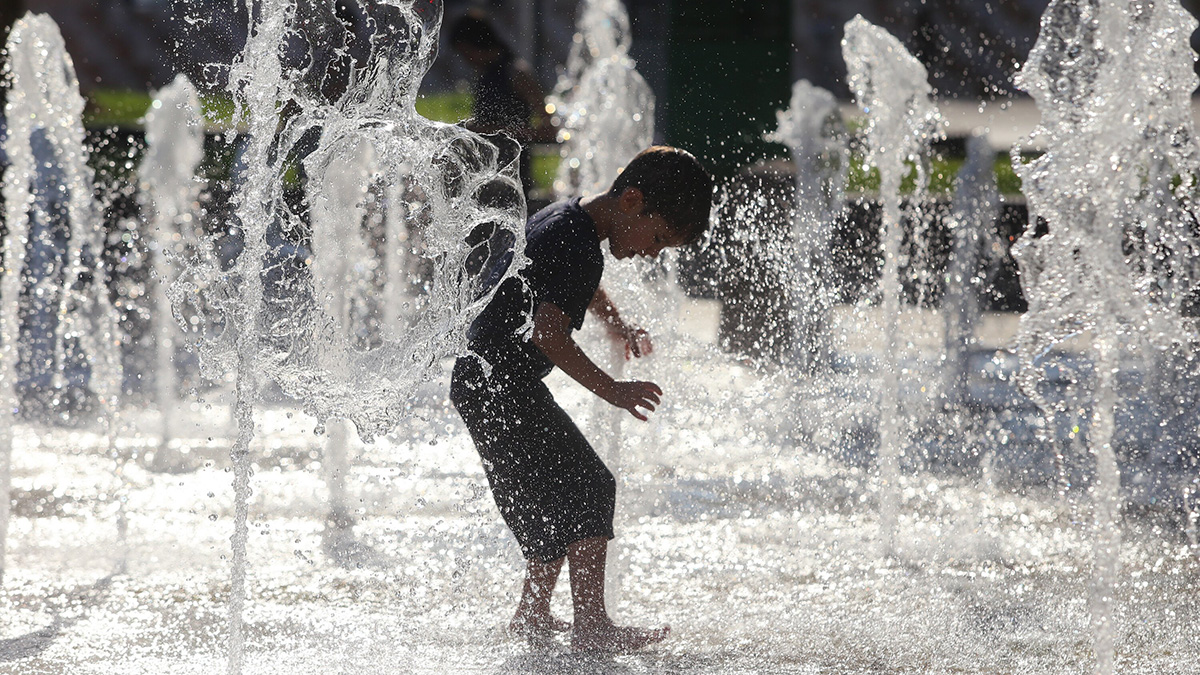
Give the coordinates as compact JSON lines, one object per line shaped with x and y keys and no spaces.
{"x":609,"y":637}
{"x":532,"y":626}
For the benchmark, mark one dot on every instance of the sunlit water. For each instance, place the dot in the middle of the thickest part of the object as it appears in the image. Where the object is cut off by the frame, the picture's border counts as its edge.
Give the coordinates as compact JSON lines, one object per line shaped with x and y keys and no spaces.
{"x":751,"y":515}
{"x":1115,"y":188}
{"x":813,"y":129}
{"x":974,"y":212}
{"x":760,"y":554}
{"x":54,"y":240}
{"x":278,"y":317}
{"x":603,"y":106}
{"x":892,"y":89}
{"x":170,"y":190}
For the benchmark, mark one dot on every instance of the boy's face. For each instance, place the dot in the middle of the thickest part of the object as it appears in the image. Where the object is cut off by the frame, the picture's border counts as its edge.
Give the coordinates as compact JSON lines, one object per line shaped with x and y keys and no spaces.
{"x":638,"y":232}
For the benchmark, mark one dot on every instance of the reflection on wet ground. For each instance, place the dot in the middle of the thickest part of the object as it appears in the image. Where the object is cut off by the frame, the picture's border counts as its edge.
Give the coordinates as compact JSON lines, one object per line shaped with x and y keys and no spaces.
{"x":736,"y":525}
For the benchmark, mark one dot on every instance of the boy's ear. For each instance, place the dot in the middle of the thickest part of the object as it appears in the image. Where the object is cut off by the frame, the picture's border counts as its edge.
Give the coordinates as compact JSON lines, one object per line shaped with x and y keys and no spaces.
{"x":631,"y":200}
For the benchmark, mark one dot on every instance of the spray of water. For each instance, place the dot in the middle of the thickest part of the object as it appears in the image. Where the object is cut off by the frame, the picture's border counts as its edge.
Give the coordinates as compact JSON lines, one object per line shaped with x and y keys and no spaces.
{"x":45,"y":133}
{"x":604,"y":107}
{"x":169,"y":189}
{"x":813,"y":130}
{"x":268,"y":314}
{"x":892,"y":88}
{"x":973,"y":216}
{"x":1115,"y":188}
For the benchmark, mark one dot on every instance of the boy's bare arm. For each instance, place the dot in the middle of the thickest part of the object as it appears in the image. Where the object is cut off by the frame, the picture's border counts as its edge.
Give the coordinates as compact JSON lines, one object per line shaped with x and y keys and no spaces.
{"x":552,"y":335}
{"x":637,"y":341}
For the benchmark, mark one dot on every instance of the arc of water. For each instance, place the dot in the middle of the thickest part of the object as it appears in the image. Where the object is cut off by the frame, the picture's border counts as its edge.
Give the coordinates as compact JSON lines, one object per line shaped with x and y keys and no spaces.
{"x":292,"y":337}
{"x":1113,"y":82}
{"x":893,"y":90}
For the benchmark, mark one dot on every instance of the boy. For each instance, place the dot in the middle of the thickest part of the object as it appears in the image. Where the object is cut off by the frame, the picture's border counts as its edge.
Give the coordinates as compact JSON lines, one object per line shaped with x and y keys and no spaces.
{"x":553,"y":491}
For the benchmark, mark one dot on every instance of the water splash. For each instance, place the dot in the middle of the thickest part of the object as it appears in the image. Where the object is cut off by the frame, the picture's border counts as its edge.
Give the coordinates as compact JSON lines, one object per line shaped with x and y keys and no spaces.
{"x":266,"y":314}
{"x":604,"y":107}
{"x":812,"y":128}
{"x":467,"y":209}
{"x":45,"y":133}
{"x":892,"y":88}
{"x":1115,"y":189}
{"x":974,"y":211}
{"x":169,"y":190}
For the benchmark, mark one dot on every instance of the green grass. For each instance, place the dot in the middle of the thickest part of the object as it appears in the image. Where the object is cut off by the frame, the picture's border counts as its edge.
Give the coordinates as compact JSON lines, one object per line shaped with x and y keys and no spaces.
{"x":942,"y":174}
{"x":450,"y":108}
{"x":125,"y":109}
{"x":107,"y":108}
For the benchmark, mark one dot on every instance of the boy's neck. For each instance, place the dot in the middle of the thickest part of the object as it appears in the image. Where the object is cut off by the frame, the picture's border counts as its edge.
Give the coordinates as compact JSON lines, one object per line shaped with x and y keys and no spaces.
{"x":603,"y":210}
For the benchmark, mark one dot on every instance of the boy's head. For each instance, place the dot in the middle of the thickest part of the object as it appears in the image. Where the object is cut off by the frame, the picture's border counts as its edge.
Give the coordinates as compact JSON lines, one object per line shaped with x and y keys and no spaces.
{"x":673,"y":187}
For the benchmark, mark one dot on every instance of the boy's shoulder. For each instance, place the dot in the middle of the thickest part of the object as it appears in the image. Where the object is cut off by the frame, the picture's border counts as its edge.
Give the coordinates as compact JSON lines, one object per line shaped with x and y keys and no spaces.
{"x":560,"y":224}
{"x":564,"y":211}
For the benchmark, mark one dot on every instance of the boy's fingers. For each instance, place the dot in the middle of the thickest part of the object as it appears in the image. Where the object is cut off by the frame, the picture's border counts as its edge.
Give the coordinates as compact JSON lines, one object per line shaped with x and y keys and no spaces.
{"x":645,"y":346}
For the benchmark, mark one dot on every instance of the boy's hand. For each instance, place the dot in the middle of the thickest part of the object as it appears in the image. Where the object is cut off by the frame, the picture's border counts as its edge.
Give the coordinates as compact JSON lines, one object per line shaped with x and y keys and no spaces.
{"x":635,"y":340}
{"x":631,"y":395}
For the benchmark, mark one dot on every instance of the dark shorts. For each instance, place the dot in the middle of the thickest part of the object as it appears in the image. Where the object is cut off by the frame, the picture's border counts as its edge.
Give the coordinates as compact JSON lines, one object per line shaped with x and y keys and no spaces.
{"x":551,"y":487}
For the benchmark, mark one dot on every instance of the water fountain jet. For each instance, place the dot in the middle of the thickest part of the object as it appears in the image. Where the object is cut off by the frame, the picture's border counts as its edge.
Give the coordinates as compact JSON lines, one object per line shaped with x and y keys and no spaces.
{"x":813,"y":130}
{"x":169,"y":189}
{"x":45,"y":134}
{"x":974,"y":210}
{"x":1115,"y":187}
{"x":892,"y":88}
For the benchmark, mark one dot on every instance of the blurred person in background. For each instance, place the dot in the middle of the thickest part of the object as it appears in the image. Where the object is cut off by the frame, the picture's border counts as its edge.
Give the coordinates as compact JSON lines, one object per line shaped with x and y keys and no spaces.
{"x":506,"y":96}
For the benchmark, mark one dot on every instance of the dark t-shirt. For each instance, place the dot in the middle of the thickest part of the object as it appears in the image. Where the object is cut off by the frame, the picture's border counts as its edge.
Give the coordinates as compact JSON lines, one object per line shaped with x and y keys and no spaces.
{"x":565,"y":267}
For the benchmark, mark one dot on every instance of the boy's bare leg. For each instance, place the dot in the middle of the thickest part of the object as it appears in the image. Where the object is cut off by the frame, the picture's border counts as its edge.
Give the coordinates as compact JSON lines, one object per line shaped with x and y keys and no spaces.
{"x":593,"y":629}
{"x":533,"y":613}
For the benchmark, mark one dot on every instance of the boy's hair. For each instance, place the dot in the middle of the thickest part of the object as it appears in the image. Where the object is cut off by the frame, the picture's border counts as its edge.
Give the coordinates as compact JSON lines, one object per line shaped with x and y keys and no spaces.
{"x":674,"y":186}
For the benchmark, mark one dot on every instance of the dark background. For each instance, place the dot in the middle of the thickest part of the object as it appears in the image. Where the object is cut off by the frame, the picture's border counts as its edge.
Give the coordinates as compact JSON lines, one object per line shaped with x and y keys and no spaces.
{"x":720,"y":68}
